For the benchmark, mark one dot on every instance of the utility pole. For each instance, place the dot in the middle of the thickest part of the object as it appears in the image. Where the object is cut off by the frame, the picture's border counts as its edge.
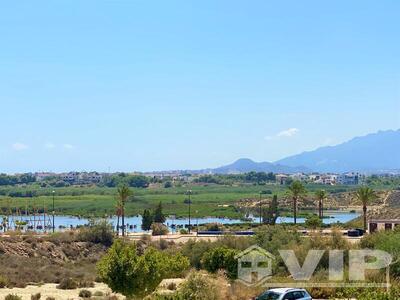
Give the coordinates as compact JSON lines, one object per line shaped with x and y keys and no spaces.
{"x":260,"y":209}
{"x":189,"y":192}
{"x":197,"y":222}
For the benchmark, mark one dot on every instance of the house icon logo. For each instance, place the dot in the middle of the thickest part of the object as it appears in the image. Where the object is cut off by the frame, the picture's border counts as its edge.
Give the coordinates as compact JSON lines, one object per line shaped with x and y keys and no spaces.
{"x":254,"y":265}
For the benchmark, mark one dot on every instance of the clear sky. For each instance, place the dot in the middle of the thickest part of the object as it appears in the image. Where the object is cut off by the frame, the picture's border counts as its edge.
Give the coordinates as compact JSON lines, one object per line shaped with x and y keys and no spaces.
{"x":153,"y":85}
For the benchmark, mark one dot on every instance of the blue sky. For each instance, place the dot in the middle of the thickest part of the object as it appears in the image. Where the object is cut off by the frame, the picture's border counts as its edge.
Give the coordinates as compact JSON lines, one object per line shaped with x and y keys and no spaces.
{"x":153,"y":85}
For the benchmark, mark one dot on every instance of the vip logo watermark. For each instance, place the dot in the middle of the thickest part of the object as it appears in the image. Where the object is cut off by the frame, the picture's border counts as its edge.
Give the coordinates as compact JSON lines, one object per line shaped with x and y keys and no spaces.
{"x":255,"y":267}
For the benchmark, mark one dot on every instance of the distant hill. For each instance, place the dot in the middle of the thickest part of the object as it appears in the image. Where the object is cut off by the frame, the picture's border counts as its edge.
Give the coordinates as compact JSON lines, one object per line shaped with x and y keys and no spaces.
{"x":376,"y":152}
{"x":244,"y":165}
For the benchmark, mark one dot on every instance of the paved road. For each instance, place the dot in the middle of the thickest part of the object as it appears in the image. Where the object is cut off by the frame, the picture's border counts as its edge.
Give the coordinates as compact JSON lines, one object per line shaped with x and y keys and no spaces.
{"x":183,"y":238}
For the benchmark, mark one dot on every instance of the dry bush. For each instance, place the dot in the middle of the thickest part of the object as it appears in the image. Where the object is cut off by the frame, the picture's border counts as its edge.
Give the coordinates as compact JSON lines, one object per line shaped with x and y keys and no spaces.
{"x":20,"y":271}
{"x":84,"y":283}
{"x":98,"y":294}
{"x":159,"y":229}
{"x":62,"y":237}
{"x":36,"y":296}
{"x":67,"y":284}
{"x":12,"y":297}
{"x":202,"y":285}
{"x":240,"y":291}
{"x":3,"y":281}
{"x":85,"y":293}
{"x":171,"y":286}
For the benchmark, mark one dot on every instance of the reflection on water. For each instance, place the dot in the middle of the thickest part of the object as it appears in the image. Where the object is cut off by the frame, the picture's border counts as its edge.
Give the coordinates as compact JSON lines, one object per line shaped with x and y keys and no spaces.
{"x":134,"y":223}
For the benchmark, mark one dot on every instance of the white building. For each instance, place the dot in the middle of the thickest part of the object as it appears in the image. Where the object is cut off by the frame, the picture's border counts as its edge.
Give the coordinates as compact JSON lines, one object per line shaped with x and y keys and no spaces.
{"x":281,"y":178}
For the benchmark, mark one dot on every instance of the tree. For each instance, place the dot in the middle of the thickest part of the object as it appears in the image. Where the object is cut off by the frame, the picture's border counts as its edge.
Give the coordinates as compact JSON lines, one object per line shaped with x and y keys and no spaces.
{"x":365,"y":195}
{"x":147,"y":220}
{"x":313,"y":222}
{"x":272,"y":212}
{"x":220,"y":258}
{"x":321,"y":196}
{"x":158,"y":214}
{"x":138,"y":181}
{"x":168,"y":184}
{"x":159,"y":229}
{"x":296,"y":191}
{"x":123,"y":193}
{"x":124,"y":271}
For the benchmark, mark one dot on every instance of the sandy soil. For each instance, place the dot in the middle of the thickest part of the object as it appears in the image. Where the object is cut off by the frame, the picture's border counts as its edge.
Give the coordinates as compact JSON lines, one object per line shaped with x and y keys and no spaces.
{"x":50,"y":290}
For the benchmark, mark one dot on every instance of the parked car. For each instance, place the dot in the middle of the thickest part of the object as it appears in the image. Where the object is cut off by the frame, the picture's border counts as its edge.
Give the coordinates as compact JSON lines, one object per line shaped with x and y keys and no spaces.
{"x":355,"y":232}
{"x":285,"y":294}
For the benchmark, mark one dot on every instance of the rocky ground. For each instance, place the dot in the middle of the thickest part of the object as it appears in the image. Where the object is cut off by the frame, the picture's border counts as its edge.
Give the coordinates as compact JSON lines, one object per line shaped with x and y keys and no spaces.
{"x":27,"y":259}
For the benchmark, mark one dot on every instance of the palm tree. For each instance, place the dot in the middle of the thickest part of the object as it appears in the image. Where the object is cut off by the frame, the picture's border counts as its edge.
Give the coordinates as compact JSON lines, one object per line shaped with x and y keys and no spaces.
{"x":365,"y":195}
{"x":123,"y":193}
{"x":321,"y":196}
{"x":118,"y":212}
{"x":296,"y":191}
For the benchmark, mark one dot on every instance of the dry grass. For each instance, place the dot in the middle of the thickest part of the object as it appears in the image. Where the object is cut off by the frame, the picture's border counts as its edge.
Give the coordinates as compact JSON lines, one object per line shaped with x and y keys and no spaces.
{"x":32,"y":259}
{"x":50,"y":292}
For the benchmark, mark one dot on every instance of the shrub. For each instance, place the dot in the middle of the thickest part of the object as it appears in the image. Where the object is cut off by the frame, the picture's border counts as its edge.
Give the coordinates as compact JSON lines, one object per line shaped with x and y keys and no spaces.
{"x":85,"y":283}
{"x":171,"y":286}
{"x":3,"y":281}
{"x":274,"y":238}
{"x":194,"y":250}
{"x":159,"y":229}
{"x":183,"y":231}
{"x":98,"y":294}
{"x":61,"y":237}
{"x":388,"y":241}
{"x":85,"y":293}
{"x":124,"y":271}
{"x":98,"y":232}
{"x":168,"y":184}
{"x":214,"y":227}
{"x":200,"y":287}
{"x":220,"y":258}
{"x":67,"y":284}
{"x":36,"y":296}
{"x":12,"y":297}
{"x":313,"y":222}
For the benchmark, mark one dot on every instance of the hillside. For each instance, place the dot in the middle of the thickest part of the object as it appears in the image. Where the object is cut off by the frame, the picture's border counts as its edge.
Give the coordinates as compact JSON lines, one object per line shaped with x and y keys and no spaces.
{"x":375,"y":152}
{"x":246,"y":165}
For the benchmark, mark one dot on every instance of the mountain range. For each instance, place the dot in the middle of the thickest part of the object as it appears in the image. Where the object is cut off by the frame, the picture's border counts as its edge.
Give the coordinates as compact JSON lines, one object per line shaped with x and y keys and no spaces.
{"x":373,"y":153}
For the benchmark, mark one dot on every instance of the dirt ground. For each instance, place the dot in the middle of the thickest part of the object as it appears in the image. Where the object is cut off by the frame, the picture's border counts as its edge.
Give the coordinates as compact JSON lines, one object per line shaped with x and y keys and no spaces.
{"x":50,"y":290}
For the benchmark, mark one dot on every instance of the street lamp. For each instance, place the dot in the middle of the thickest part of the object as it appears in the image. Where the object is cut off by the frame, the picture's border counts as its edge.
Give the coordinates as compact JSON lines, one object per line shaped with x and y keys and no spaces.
{"x":197,"y":222}
{"x":189,"y":193}
{"x":53,"y":212}
{"x":259,"y":204}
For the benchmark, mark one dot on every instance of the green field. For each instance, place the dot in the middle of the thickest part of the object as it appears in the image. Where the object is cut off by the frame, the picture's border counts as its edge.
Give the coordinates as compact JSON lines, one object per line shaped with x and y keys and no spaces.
{"x":207,"y":200}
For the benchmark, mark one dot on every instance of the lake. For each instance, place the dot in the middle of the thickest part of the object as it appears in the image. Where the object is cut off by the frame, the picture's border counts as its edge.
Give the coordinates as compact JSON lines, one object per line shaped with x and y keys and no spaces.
{"x":134,"y":223}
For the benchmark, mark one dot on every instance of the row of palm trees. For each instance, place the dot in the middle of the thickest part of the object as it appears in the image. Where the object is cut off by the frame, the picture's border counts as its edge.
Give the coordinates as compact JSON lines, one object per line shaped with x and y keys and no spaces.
{"x":298,"y":191}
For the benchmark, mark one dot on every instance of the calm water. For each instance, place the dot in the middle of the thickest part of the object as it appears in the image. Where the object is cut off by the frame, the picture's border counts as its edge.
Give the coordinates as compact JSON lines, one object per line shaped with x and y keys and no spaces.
{"x":135,"y":222}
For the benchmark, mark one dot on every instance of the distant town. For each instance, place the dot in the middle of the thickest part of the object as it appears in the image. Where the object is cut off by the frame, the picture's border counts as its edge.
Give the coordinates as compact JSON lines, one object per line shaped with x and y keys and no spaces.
{"x":98,"y":178}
